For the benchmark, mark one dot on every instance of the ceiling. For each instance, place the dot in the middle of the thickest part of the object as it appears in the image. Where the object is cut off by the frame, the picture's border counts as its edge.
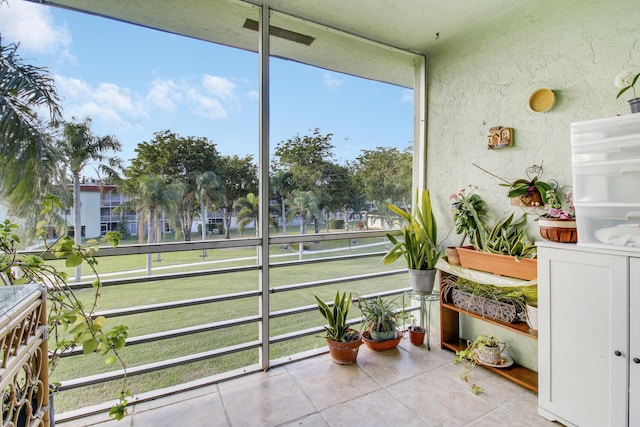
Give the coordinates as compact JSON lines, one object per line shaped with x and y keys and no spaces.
{"x":372,"y":40}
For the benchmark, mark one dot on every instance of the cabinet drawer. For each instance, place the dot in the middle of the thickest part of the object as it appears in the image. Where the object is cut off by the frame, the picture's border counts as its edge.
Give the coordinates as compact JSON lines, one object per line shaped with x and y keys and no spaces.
{"x":603,"y":182}
{"x":610,"y":225}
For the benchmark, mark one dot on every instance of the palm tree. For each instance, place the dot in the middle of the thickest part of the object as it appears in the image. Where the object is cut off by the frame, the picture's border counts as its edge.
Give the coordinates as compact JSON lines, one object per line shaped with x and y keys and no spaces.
{"x":281,"y":185}
{"x":28,"y":155}
{"x":303,"y":204}
{"x":249,"y":212}
{"x":149,"y":196}
{"x":78,"y":147}
{"x":209,"y":193}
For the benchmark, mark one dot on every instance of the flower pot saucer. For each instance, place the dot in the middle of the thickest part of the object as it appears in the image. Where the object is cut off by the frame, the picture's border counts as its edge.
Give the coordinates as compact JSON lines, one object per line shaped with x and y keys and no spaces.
{"x":507,"y":361}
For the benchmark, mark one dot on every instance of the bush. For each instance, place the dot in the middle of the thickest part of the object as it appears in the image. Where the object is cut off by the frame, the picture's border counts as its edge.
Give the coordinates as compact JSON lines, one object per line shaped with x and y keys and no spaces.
{"x":336,"y":224}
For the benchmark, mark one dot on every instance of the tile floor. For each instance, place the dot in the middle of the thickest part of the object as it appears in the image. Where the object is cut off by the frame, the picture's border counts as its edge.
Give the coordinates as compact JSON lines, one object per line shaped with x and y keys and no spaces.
{"x":407,"y":386}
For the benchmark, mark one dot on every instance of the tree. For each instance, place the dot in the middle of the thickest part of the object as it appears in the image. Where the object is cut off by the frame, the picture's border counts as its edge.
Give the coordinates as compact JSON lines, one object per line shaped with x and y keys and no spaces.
{"x":303,"y":204}
{"x":179,"y":160}
{"x":240,"y":177}
{"x":249,"y":211}
{"x":78,"y":147}
{"x":385,"y":173}
{"x":281,"y":185}
{"x":209,"y":193}
{"x":29,"y":163}
{"x":305,"y":157}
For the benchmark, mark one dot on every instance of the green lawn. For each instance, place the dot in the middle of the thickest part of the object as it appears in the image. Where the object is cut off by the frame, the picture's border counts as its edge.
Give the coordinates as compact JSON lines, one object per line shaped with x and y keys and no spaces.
{"x":120,"y":296}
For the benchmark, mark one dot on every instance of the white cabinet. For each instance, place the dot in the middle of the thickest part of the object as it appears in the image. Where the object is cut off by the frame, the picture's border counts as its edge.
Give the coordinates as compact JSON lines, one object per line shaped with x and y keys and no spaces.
{"x":589,"y":336}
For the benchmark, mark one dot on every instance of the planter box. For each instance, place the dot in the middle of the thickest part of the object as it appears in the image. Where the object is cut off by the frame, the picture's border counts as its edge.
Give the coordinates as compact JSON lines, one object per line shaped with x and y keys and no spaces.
{"x":501,"y":265}
{"x":484,"y":306}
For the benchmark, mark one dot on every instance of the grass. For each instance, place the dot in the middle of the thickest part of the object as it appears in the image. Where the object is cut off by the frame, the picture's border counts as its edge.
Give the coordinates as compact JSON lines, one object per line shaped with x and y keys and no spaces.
{"x":130,"y":295}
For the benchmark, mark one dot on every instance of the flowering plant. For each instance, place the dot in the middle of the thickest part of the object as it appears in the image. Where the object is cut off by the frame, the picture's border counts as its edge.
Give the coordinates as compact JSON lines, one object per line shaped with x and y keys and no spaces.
{"x":626,"y":80}
{"x":556,"y":209}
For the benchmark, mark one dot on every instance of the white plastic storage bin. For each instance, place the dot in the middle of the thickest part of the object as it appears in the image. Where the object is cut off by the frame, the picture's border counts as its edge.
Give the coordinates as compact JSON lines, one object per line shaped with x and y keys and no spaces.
{"x":609,"y":225}
{"x":612,"y":138}
{"x":607,"y":182}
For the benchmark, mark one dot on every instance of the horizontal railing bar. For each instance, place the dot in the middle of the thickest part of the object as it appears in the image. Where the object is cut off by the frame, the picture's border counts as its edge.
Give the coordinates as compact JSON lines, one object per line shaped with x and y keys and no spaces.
{"x":326,"y":259}
{"x":176,"y":304}
{"x":166,"y":276}
{"x":175,"y":333}
{"x":277,"y":240}
{"x":324,"y":282}
{"x":157,"y":366}
{"x":154,"y":248}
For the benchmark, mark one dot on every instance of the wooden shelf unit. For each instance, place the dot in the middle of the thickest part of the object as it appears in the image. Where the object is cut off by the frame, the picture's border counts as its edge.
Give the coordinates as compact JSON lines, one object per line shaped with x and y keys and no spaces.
{"x":450,"y":339}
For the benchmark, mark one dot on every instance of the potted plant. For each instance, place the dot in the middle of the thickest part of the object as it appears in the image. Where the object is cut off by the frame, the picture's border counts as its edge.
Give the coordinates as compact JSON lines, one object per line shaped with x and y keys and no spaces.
{"x":558,"y":223}
{"x":468,"y":208}
{"x":71,"y":323}
{"x":419,"y":244}
{"x":416,"y":332}
{"x":627,"y":80}
{"x":528,"y":192}
{"x":485,"y":349}
{"x":343,"y":341}
{"x":380,"y":318}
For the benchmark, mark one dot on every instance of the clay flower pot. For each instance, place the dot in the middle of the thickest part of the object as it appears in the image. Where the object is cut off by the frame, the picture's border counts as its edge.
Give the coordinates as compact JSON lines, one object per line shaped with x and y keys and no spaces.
{"x":416,"y":335}
{"x":344,"y":353}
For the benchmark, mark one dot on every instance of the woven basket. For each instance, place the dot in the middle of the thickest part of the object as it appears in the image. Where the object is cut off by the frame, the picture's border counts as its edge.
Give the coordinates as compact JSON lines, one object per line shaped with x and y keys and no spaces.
{"x":484,"y":306}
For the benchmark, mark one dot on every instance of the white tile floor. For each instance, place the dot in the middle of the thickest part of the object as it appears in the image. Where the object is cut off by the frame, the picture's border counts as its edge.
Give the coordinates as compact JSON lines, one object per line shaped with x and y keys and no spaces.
{"x":407,"y":386}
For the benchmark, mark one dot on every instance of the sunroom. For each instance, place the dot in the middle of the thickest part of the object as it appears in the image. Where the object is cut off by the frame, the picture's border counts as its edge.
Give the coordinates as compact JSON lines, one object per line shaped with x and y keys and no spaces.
{"x":472,"y":67}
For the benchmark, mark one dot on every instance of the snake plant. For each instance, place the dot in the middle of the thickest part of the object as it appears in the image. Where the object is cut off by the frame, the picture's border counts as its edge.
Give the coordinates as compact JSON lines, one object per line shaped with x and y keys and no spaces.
{"x":336,"y":315}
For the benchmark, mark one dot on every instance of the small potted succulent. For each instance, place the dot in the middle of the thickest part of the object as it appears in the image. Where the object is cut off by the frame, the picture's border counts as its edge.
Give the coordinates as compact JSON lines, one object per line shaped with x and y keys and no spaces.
{"x":416,"y":332}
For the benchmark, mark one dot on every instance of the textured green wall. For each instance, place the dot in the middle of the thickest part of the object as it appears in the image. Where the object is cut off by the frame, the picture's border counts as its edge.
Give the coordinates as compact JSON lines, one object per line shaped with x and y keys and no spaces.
{"x":482,"y":80}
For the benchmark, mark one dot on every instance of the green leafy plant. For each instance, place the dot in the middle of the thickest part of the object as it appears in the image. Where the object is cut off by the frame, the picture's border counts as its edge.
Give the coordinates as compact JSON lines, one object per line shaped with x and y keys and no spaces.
{"x":507,"y":237}
{"x":72,"y":323}
{"x":419,"y":245}
{"x":336,"y":316}
{"x":626,"y":80}
{"x":380,"y":315}
{"x":468,"y":210}
{"x":469,"y":357}
{"x":522,"y":187}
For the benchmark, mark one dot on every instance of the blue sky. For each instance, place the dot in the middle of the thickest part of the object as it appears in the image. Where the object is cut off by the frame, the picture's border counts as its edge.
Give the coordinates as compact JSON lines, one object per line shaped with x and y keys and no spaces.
{"x":134,"y":81}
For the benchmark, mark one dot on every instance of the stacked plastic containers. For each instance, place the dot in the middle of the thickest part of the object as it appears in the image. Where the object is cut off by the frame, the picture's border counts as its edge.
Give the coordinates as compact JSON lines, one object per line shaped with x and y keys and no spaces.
{"x":606,"y":181}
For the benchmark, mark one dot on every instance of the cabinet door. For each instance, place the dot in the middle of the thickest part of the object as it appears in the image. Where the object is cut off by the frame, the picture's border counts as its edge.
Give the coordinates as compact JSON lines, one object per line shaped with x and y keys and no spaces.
{"x":634,"y":343}
{"x":583,"y":321}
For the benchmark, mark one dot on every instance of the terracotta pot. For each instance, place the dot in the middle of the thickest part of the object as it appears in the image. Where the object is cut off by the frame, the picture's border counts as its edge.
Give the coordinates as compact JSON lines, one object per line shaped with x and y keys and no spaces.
{"x":381,"y":345}
{"x":452,"y":255}
{"x":344,"y":353}
{"x":416,"y":338}
{"x":558,"y":230}
{"x":501,"y":265}
{"x":422,"y":281}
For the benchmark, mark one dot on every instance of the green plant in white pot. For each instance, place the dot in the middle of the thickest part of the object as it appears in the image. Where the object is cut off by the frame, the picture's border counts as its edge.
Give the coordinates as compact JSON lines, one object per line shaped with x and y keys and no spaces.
{"x":419,"y":244}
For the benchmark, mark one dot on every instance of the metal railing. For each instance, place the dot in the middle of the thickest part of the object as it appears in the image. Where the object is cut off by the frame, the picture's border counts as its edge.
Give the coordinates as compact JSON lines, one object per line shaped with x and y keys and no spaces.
{"x":249,"y":298}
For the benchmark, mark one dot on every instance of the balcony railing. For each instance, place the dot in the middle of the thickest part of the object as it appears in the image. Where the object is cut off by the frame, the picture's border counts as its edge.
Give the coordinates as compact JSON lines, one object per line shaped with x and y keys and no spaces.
{"x":195,"y":309}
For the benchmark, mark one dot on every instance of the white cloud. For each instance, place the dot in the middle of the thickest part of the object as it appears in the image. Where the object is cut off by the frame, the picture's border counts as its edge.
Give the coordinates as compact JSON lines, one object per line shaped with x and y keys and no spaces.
{"x":206,"y":106}
{"x":106,"y":102}
{"x":32,"y":26}
{"x":331,"y":81}
{"x":219,"y":87}
{"x":164,"y":94}
{"x":253,"y":94}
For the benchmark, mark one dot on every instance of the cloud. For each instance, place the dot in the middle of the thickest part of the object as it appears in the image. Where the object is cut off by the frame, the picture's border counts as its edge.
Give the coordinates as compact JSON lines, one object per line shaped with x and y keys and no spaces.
{"x":164,"y":94}
{"x":106,"y":102}
{"x":331,"y":81}
{"x":32,"y":26}
{"x":219,"y":87}
{"x":206,"y":106}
